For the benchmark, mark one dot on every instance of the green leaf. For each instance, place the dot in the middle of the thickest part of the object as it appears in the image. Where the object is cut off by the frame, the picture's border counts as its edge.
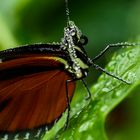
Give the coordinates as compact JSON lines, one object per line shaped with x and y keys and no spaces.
{"x":88,"y":117}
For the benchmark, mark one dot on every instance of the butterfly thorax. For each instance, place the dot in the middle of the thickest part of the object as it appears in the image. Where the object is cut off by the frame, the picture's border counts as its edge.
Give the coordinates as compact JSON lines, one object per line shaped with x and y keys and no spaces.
{"x":72,"y":45}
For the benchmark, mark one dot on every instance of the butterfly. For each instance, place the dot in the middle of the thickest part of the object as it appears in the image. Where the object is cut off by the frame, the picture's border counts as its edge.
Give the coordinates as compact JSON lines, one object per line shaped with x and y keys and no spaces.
{"x":37,"y":82}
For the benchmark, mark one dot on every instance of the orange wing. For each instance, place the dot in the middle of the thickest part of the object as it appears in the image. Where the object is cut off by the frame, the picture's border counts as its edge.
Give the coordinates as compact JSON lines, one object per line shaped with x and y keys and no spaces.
{"x":33,"y":100}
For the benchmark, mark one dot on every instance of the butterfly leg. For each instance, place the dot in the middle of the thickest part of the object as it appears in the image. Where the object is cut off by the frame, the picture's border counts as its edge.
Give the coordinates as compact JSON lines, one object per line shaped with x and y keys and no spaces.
{"x":68,"y":104}
{"x":125,"y":44}
{"x":88,"y":91}
{"x":110,"y":74}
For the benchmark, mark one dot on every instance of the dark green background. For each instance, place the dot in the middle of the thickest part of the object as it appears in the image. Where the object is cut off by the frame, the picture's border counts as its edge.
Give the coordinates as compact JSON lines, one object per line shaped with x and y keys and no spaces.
{"x":104,"y":22}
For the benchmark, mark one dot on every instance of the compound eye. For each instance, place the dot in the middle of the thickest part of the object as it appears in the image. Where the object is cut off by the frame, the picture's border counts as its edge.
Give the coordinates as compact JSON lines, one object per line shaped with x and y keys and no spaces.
{"x":83,"y":40}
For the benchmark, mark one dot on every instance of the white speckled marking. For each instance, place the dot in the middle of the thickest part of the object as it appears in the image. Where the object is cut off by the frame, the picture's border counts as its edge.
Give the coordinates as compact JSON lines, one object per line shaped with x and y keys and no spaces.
{"x":16,"y":137}
{"x":5,"y":137}
{"x":46,"y":128}
{"x":26,"y":136}
{"x":38,"y":133}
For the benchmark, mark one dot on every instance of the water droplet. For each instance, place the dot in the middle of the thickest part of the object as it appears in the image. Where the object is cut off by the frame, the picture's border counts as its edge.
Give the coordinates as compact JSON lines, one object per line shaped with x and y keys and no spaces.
{"x":105,"y":90}
{"x":104,"y":108}
{"x":77,"y":105}
{"x":78,"y":113}
{"x":118,"y":93}
{"x":85,"y":116}
{"x":112,"y":63}
{"x":130,"y":55}
{"x":85,"y":126}
{"x":123,"y":54}
{"x":90,"y":137}
{"x":108,"y":83}
{"x":131,"y":77}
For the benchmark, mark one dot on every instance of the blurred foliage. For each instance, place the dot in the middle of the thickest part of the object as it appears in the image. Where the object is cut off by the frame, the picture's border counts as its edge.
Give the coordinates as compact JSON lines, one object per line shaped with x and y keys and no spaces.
{"x":104,"y":22}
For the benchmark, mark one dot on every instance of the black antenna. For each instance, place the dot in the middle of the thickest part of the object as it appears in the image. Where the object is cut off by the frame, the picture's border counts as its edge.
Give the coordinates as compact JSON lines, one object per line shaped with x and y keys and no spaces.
{"x":67,"y":12}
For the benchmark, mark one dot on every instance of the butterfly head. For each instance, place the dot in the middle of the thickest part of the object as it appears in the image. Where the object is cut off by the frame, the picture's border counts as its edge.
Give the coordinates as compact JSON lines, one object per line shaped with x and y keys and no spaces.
{"x":73,"y":43}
